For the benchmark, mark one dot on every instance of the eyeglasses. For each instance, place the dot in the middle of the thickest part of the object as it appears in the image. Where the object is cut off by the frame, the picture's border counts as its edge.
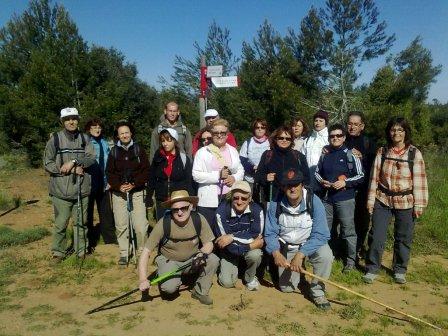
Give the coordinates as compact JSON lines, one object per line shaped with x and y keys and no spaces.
{"x":354,"y":124}
{"x":206,"y":139}
{"x":182,"y":209}
{"x":397,"y":130}
{"x":238,"y":198}
{"x":219,"y":133}
{"x":332,"y":136}
{"x":283,"y":138}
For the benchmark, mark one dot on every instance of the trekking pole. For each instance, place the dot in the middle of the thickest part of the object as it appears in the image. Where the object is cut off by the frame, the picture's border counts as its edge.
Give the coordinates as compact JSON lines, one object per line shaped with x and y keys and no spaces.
{"x":79,"y":214}
{"x":131,"y":244}
{"x":369,"y":299}
{"x":152,"y":282}
{"x":221,"y":185}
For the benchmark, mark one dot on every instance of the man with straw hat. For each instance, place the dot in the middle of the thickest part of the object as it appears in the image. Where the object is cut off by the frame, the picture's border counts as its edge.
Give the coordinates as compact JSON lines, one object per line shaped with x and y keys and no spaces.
{"x":239,"y":226}
{"x":181,"y":237}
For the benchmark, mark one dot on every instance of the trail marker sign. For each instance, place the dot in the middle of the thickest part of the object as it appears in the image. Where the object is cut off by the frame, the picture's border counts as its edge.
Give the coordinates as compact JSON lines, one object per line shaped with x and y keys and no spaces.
{"x":225,"y":82}
{"x":214,"y":71}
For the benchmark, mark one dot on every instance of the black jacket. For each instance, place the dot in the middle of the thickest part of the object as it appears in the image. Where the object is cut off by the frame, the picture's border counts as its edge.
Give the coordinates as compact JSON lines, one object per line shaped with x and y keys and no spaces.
{"x":180,"y":177}
{"x":278,"y":161}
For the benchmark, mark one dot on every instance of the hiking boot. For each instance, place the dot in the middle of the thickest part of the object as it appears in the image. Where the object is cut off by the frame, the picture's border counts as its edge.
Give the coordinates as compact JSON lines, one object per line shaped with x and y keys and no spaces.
{"x":322,"y":303}
{"x":348,"y":268}
{"x":400,"y":278}
{"x":204,"y":299}
{"x":369,"y":277}
{"x":56,"y":260}
{"x":253,"y":285}
{"x":123,"y":261}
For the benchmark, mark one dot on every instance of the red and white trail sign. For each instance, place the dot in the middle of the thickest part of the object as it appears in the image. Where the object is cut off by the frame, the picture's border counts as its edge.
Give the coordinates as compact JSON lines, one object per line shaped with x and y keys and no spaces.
{"x":225,"y":82}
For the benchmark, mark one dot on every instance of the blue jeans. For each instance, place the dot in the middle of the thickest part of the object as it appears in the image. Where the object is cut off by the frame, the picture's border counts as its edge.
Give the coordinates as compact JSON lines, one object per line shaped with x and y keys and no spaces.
{"x":344,"y":211}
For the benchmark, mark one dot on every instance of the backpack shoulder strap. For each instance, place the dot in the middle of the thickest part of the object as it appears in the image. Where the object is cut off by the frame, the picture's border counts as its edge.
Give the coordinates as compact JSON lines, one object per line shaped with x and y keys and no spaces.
{"x":57,"y":147}
{"x":137,"y":151}
{"x":196,"y":223}
{"x":350,"y":161}
{"x":184,"y":129}
{"x":383,"y":158}
{"x":269,"y":155}
{"x":183,"y":157}
{"x":411,"y":157}
{"x":83,"y":140}
{"x":166,"y":229}
{"x":309,"y":202}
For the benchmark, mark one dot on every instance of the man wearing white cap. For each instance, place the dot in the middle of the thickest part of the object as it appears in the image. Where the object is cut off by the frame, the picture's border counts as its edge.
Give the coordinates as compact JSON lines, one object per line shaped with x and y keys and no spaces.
{"x":177,"y":238}
{"x":67,"y":154}
{"x":171,"y":118}
{"x":210,"y":116}
{"x":239,"y":227}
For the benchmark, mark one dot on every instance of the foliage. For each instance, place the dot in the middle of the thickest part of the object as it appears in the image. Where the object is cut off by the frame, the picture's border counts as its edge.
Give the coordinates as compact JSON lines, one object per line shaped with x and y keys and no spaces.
{"x":10,"y":237}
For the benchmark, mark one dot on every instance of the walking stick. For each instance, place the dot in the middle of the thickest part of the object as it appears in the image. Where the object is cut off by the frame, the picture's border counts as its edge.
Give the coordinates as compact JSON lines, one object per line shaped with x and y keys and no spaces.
{"x":152,"y":282}
{"x":79,"y":214}
{"x":369,"y":299}
{"x":131,"y":244}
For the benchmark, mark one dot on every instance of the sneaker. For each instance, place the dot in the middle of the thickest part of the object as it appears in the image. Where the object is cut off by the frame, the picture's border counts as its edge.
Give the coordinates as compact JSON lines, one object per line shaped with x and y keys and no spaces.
{"x":400,"y":278}
{"x":204,"y":299}
{"x":253,"y":285}
{"x":123,"y":261}
{"x":321,"y":302}
{"x":369,"y":277}
{"x":348,"y":268}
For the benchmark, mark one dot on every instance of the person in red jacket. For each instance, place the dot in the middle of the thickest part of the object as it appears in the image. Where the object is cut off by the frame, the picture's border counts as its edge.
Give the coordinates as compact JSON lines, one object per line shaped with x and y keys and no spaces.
{"x":210,"y":116}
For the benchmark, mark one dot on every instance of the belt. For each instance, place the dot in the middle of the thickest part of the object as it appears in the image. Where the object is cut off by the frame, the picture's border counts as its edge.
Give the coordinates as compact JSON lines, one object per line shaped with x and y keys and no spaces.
{"x":394,"y":193}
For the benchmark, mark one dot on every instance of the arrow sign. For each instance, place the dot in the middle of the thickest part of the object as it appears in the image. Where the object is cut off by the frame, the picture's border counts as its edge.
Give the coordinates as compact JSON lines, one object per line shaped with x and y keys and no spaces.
{"x":225,"y":82}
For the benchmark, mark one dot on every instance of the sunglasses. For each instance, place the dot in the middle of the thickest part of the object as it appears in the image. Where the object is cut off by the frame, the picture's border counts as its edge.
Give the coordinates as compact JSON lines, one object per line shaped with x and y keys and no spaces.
{"x":283,"y":138}
{"x":219,"y":133}
{"x":332,"y":136}
{"x":238,"y":198}
{"x":206,"y":139}
{"x":182,"y":209}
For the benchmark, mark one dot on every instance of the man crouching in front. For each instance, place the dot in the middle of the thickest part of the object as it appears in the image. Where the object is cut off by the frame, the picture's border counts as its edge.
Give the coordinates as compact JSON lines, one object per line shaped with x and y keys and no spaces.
{"x":296,"y":227}
{"x":178,"y":236}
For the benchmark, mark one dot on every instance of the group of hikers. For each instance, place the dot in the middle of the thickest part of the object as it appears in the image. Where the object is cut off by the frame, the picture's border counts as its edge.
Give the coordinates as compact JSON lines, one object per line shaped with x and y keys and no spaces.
{"x":284,"y":197}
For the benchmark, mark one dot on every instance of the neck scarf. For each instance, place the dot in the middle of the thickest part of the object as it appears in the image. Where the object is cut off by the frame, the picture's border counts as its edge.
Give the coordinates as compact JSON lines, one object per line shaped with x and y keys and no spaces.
{"x":216,"y":151}
{"x":169,"y":159}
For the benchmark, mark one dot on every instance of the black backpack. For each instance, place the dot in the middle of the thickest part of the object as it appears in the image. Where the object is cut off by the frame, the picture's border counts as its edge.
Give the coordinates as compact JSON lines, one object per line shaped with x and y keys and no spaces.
{"x":410,"y":159}
{"x":167,"y":227}
{"x":135,"y":147}
{"x":60,"y":151}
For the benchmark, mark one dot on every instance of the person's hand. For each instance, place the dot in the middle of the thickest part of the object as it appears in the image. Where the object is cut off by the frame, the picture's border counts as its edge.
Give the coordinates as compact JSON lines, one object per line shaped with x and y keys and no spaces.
{"x":225,"y":172}
{"x":79,"y":170}
{"x":418,"y":211}
{"x":144,"y":285}
{"x":296,"y":262}
{"x":198,"y":262}
{"x":270,"y":177}
{"x":326,"y":184}
{"x":229,"y":181}
{"x":357,"y":153}
{"x":325,"y":149}
{"x":370,"y":210}
{"x":280,"y":260}
{"x":223,"y":241}
{"x":339,"y":184}
{"x":126,"y":187}
{"x":257,"y":243}
{"x":67,"y":167}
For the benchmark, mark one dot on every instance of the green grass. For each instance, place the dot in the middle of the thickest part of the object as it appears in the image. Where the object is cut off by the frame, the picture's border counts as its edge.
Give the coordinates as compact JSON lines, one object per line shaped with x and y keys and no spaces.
{"x":7,"y":202}
{"x":353,"y":311}
{"x":292,"y":328}
{"x":353,"y":278}
{"x":10,"y":237}
{"x":432,"y":273}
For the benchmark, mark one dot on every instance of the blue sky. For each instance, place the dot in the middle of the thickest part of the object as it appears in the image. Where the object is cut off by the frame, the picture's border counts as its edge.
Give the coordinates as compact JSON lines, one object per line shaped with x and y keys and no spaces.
{"x":150,"y":33}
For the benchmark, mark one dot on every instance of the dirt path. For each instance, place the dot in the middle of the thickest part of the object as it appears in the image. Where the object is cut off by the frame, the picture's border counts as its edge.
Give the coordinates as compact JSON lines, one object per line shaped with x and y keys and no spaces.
{"x":43,"y":300}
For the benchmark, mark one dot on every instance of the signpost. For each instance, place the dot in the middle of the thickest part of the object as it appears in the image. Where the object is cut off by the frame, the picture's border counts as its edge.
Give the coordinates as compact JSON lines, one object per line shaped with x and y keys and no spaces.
{"x":225,"y":82}
{"x":214,"y":71}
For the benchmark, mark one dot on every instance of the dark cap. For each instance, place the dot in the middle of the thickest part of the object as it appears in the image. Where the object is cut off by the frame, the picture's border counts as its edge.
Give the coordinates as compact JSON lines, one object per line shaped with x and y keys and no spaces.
{"x":321,"y":114}
{"x":291,"y":177}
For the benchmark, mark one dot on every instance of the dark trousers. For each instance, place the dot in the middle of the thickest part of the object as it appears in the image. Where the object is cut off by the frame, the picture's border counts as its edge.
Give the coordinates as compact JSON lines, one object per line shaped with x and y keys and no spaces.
{"x":160,"y":211}
{"x":362,"y":220}
{"x":208,"y":213}
{"x":106,"y":226}
{"x":403,"y":234}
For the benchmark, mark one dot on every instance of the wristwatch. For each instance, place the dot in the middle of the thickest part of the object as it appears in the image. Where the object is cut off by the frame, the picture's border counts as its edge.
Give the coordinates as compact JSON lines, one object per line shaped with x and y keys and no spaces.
{"x":75,"y":162}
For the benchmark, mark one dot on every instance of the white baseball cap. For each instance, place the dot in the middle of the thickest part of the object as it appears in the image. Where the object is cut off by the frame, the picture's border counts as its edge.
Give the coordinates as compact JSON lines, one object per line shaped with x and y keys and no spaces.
{"x":69,"y":111}
{"x":172,"y":132}
{"x":211,"y":113}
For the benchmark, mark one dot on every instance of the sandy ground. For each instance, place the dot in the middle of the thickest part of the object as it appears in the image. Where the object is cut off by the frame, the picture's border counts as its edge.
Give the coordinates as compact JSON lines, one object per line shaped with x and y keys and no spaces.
{"x":45,"y":300}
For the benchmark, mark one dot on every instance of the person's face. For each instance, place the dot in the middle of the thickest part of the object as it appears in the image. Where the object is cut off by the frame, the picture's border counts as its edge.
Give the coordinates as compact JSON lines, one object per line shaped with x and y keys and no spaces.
{"x":168,"y":143}
{"x":260,"y":130}
{"x":71,"y":123}
{"x":240,"y":201}
{"x":319,"y":124}
{"x":172,"y":113}
{"x":95,"y":130}
{"x":181,"y":211}
{"x":124,"y":135}
{"x":219,"y":135}
{"x":293,"y":193}
{"x":206,"y":138}
{"x":336,"y":138}
{"x":209,"y":120}
{"x":397,"y":134}
{"x":298,"y":129}
{"x":355,"y":125}
{"x":283,"y":140}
